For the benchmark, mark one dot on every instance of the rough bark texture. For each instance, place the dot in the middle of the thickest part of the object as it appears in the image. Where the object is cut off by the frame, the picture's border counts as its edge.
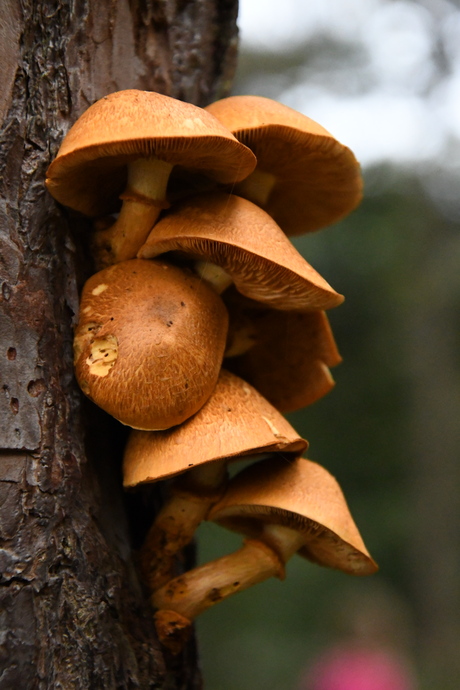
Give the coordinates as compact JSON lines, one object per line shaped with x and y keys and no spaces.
{"x":72,"y":613}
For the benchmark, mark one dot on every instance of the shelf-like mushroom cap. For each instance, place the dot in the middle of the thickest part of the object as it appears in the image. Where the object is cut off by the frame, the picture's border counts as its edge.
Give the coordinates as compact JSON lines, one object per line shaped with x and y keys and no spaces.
{"x":149,"y":343}
{"x":235,"y":422}
{"x":303,"y":496}
{"x":246,"y":243}
{"x":312,"y":179}
{"x":285,"y":355}
{"x":90,"y":170}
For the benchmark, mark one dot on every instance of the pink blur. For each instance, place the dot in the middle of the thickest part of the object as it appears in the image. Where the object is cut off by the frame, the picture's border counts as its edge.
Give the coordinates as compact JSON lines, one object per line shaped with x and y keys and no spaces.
{"x":352,"y":667}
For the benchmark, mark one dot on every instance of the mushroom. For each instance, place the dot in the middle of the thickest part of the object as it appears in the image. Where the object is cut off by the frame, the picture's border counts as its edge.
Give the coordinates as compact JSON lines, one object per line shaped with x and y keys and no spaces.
{"x":284,"y":508}
{"x":149,"y":343}
{"x":305,"y":179}
{"x":126,"y":145}
{"x":235,"y":423}
{"x":230,"y":234}
{"x":285,"y":355}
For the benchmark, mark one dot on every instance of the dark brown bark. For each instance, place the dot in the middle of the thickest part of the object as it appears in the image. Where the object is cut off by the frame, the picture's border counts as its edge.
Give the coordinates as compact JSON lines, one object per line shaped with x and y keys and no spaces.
{"x":72,"y":612}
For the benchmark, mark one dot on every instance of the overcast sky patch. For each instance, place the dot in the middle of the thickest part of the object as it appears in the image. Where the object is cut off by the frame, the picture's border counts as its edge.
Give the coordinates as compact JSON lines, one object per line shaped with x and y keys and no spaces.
{"x":409,"y":106}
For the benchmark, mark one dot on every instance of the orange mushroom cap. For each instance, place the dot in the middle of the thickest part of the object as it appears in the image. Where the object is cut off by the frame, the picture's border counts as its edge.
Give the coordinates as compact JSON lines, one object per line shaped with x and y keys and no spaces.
{"x":285,"y":355}
{"x":241,"y":238}
{"x":312,"y":180}
{"x":304,"y":497}
{"x":149,"y":343}
{"x":90,"y":170}
{"x":235,"y":422}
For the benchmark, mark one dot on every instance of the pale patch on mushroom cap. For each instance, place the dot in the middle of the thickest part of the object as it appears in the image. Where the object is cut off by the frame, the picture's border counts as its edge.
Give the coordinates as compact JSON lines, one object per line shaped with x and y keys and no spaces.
{"x":241,"y":238}
{"x":236,"y":421}
{"x":285,"y":355}
{"x":103,"y":355}
{"x":162,"y":332}
{"x":90,"y":170}
{"x":303,"y":496}
{"x":317,"y":180}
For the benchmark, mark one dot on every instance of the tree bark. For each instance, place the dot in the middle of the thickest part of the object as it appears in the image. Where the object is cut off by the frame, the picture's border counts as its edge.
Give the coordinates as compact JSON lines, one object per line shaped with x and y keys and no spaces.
{"x":72,"y":612}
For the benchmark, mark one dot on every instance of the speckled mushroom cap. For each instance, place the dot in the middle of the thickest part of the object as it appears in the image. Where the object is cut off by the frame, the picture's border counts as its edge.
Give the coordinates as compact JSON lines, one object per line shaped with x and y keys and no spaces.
{"x":235,"y":422}
{"x":317,"y":179}
{"x":90,"y":170}
{"x":285,"y":355}
{"x":149,"y":343}
{"x":242,"y":239}
{"x":301,"y":495}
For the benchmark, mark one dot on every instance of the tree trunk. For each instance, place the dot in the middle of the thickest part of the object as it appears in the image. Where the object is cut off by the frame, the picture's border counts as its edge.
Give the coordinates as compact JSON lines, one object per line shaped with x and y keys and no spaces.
{"x":72,"y":612}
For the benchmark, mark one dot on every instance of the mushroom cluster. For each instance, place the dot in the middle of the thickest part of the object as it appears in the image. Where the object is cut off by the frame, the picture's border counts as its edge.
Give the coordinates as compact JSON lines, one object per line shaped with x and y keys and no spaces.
{"x":203,"y":325}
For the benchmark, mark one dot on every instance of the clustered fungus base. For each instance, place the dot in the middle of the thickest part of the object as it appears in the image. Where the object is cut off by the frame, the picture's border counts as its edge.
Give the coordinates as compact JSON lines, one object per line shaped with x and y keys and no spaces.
{"x":206,"y":200}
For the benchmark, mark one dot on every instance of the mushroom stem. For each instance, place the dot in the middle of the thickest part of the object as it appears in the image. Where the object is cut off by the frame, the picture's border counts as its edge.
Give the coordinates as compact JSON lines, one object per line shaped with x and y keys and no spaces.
{"x":185,"y":597}
{"x":256,"y":187}
{"x":143,"y":199}
{"x":193,"y":494}
{"x":284,"y":540}
{"x":219,"y":279}
{"x":197,"y":590}
{"x":241,"y":338}
{"x":188,"y":595}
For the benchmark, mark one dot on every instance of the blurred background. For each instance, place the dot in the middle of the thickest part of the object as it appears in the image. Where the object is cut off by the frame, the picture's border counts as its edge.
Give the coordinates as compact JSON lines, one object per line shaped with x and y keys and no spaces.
{"x":383,"y":77}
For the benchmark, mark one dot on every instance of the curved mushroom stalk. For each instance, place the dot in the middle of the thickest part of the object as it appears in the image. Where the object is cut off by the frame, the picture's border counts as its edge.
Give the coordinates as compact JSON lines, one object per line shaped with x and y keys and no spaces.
{"x":125,"y":147}
{"x":192,"y":496}
{"x":258,"y":559}
{"x":182,"y":599}
{"x":143,"y":200}
{"x":236,"y":423}
{"x":284,"y":509}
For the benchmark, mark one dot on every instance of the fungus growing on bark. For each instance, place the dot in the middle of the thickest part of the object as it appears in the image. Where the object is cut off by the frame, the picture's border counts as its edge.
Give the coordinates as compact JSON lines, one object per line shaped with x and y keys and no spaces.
{"x":235,"y":423}
{"x":236,"y":236}
{"x":305,"y":179}
{"x":149,"y":342}
{"x":125,"y":146}
{"x":285,"y":355}
{"x":283,"y":508}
